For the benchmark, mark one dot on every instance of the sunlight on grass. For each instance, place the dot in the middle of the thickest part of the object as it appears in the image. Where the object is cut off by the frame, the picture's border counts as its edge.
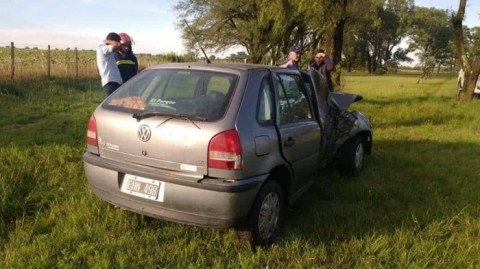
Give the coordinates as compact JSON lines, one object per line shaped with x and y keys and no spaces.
{"x":415,"y":206}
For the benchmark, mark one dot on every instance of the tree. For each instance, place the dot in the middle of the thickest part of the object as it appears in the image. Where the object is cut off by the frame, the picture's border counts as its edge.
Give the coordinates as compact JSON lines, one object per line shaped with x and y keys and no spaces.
{"x":467,"y":93}
{"x":472,"y":43}
{"x":335,"y":15}
{"x":255,"y":25}
{"x":264,"y":28}
{"x":306,"y":30}
{"x":240,"y":57}
{"x":379,"y":26}
{"x":261,"y":27}
{"x":355,"y":54}
{"x":430,"y":35}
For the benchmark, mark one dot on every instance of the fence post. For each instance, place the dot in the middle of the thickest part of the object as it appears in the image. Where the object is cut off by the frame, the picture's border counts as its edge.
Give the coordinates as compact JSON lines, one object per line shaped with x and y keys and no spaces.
{"x":48,"y":62}
{"x":76,"y":63}
{"x":12,"y":60}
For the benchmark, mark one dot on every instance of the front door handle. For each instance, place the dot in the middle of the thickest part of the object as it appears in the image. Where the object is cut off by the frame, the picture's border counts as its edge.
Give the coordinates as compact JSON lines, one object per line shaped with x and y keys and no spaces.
{"x":289,"y":142}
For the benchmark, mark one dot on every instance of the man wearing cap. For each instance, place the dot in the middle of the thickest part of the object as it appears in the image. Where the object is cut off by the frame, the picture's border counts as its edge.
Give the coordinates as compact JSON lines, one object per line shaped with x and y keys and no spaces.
{"x":107,"y":67}
{"x":291,"y":61}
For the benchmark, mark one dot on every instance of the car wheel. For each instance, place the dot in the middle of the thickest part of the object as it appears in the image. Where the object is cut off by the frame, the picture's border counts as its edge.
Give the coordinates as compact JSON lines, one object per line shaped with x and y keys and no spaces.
{"x":265,"y":217}
{"x":351,"y":157}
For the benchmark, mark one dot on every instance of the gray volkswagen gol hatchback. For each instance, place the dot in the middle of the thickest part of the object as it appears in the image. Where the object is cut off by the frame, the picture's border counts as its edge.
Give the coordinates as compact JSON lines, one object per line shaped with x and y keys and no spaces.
{"x":217,"y":145}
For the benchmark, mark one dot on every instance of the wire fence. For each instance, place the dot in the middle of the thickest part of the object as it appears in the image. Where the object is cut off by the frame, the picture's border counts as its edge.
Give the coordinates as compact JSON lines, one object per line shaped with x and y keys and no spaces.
{"x":44,"y":63}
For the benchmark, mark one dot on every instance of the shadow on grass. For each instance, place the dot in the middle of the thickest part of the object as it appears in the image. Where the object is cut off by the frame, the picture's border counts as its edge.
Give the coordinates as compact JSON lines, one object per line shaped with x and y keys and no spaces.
{"x":408,"y":100}
{"x":8,"y":87}
{"x":20,"y":88}
{"x":406,"y":185}
{"x":441,"y":118}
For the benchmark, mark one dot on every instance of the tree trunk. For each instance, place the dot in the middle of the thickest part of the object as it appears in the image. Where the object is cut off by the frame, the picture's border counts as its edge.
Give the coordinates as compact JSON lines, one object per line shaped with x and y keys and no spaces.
{"x":337,"y":39}
{"x":369,"y":62}
{"x":467,"y":93}
{"x":374,"y":63}
{"x":255,"y":58}
{"x":475,"y":69}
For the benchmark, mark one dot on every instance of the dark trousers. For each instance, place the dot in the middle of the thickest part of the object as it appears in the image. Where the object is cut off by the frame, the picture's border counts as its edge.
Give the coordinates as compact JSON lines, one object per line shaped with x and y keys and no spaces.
{"x":110,"y":87}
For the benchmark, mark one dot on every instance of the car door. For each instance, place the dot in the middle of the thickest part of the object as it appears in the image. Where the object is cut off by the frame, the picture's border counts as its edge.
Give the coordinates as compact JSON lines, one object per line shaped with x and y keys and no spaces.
{"x":326,"y":116}
{"x":299,"y":132}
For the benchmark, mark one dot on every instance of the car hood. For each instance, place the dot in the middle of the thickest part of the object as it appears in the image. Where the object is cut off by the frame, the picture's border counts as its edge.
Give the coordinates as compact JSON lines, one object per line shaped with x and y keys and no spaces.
{"x":341,"y":100}
{"x":344,"y":100}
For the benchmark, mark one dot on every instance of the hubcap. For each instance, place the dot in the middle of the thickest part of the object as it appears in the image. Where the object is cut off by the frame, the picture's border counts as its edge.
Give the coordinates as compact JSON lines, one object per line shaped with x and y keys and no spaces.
{"x":269,"y":215}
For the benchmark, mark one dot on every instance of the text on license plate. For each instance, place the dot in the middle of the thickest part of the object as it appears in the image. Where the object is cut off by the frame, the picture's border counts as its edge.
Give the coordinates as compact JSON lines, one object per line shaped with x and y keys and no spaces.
{"x":143,"y":187}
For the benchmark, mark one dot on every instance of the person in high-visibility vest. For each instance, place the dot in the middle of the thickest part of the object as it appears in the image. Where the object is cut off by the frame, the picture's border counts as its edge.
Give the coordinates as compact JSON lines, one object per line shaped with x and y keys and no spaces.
{"x":126,"y":60}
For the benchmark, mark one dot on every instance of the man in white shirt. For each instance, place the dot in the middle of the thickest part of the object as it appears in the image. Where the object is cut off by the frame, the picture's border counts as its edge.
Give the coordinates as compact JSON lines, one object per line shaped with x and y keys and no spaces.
{"x":460,"y":79}
{"x":107,"y":66}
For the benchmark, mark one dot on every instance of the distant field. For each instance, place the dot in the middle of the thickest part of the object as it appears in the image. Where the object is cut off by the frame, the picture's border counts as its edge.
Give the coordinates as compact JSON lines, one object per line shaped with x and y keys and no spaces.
{"x":417,"y":204}
{"x":33,"y":63}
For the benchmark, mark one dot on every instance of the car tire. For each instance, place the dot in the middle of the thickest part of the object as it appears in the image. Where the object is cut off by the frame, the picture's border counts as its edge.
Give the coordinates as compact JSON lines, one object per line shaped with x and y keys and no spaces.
{"x":351,"y":157}
{"x":265,"y":217}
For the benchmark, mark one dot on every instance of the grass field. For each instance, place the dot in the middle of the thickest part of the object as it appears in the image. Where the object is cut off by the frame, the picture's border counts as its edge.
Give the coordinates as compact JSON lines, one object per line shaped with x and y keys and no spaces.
{"x":417,"y":204}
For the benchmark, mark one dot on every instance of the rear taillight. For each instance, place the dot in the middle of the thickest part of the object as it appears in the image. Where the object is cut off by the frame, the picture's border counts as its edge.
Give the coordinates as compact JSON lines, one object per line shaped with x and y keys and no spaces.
{"x":225,"y":151}
{"x":92,"y":139}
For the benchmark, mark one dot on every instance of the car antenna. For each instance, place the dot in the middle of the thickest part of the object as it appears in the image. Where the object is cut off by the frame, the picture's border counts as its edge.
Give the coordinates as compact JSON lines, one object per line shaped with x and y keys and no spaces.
{"x":196,"y":40}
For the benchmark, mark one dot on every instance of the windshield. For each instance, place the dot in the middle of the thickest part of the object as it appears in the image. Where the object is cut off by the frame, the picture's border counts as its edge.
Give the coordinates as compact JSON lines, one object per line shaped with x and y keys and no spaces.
{"x":186,"y":93}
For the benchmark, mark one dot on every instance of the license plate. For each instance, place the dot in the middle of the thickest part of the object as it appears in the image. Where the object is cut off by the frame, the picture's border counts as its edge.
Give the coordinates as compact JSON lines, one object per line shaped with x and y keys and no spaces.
{"x":143,"y":187}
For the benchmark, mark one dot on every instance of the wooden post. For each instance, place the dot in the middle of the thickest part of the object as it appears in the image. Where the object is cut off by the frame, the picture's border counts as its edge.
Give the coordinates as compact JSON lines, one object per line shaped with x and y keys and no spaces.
{"x":48,"y":62}
{"x":12,"y":60}
{"x":76,"y":63}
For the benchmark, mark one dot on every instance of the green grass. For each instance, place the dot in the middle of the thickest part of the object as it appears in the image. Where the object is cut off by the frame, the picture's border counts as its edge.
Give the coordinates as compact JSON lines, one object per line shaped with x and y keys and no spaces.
{"x":417,"y":204}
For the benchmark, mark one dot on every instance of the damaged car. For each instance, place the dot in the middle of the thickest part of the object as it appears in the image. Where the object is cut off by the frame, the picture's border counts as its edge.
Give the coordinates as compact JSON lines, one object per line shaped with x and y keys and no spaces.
{"x":221,"y":145}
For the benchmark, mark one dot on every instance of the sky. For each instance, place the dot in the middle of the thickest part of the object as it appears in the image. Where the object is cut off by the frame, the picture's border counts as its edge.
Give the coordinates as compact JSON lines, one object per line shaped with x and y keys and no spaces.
{"x":151,"y":23}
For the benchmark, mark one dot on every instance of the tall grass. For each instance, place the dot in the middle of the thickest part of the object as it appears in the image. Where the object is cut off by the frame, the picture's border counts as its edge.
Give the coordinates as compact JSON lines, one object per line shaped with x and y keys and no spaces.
{"x":416,"y":205}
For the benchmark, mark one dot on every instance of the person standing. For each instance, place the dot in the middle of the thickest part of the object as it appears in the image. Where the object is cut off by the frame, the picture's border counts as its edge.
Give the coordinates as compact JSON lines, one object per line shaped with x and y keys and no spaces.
{"x":460,"y":80}
{"x":126,"y":60}
{"x":291,"y":61}
{"x":323,"y":64}
{"x":107,"y":67}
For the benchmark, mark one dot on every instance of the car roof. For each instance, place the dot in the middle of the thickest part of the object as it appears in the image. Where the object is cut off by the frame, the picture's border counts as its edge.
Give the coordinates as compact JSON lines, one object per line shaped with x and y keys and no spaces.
{"x":215,"y":66}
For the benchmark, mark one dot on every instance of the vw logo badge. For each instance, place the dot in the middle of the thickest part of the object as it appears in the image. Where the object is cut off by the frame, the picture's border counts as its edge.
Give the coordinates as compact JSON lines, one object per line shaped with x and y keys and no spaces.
{"x":144,"y":133}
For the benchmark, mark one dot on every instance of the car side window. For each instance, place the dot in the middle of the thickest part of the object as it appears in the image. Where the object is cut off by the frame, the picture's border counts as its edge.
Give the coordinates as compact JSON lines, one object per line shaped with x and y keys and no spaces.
{"x":293,"y":100}
{"x":265,"y":103}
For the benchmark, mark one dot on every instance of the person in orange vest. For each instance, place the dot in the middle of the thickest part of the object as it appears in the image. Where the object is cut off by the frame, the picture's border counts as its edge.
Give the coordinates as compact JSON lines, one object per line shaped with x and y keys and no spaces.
{"x":126,"y":60}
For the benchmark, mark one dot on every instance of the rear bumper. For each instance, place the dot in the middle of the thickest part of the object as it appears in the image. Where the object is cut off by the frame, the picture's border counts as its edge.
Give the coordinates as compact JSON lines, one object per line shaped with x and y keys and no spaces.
{"x":204,"y":202}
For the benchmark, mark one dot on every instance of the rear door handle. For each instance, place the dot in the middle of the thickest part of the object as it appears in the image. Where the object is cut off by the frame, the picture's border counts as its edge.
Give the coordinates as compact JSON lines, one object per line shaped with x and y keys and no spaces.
{"x":289,"y":142}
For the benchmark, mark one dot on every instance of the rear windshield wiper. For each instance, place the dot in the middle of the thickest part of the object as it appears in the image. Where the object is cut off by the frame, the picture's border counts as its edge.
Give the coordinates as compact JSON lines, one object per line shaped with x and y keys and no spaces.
{"x":147,"y":114}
